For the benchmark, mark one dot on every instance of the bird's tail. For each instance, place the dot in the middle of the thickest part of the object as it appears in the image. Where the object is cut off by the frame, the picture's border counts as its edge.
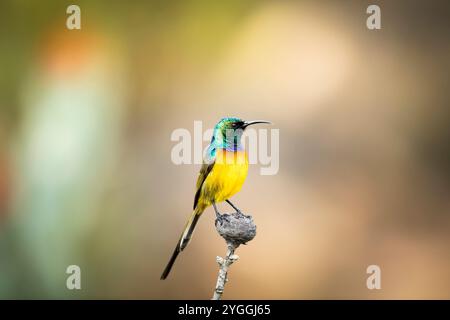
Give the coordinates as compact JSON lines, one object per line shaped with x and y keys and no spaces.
{"x":184,"y":240}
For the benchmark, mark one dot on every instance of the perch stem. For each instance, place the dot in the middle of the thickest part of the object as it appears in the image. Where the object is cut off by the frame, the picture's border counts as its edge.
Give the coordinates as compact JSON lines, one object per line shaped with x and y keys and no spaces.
{"x":224,"y":264}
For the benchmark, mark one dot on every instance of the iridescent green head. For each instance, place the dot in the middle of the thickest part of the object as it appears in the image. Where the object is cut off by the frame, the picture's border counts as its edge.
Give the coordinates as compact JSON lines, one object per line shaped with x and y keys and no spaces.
{"x":228,"y":132}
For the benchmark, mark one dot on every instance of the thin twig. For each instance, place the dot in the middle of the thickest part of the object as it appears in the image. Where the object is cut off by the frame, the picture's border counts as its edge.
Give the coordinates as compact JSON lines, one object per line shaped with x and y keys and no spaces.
{"x":224,"y":264}
{"x":235,"y":229}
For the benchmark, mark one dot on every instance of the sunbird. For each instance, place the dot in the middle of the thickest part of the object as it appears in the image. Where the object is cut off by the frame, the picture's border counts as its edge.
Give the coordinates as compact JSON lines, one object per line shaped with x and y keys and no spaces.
{"x":224,"y":170}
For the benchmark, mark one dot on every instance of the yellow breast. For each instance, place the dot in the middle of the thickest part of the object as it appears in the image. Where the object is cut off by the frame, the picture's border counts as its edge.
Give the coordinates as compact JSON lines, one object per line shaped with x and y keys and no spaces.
{"x":227,"y":176}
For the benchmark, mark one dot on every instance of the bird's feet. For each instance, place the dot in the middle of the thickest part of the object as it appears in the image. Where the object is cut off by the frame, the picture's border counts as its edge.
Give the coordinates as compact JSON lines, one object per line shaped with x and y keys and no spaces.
{"x":234,"y":207}
{"x":218,"y":215}
{"x":239,"y":211}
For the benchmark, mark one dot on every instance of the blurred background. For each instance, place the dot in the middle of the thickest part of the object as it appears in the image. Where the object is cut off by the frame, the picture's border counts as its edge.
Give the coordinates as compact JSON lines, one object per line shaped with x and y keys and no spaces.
{"x":86,"y":175}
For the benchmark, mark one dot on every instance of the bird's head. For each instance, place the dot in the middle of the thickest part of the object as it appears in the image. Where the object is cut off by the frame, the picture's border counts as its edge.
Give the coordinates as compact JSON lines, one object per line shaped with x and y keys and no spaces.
{"x":228,"y":132}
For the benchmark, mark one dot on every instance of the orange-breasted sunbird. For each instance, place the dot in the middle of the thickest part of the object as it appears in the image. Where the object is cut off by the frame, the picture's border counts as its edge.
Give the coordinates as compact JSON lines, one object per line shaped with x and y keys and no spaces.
{"x":224,"y":170}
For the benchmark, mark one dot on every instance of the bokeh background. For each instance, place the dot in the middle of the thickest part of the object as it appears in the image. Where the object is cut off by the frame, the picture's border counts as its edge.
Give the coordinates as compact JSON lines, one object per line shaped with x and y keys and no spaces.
{"x":86,"y":176}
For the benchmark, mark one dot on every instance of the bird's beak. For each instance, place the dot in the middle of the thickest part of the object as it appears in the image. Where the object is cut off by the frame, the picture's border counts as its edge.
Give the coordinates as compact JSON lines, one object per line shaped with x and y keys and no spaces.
{"x":249,"y":123}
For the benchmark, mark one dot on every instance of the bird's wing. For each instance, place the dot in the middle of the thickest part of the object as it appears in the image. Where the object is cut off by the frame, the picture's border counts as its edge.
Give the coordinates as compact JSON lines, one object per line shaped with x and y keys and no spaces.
{"x":204,"y":171}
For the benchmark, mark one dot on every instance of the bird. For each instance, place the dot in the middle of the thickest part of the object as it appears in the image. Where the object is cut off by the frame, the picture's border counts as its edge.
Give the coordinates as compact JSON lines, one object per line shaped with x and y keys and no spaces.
{"x":223,"y":172}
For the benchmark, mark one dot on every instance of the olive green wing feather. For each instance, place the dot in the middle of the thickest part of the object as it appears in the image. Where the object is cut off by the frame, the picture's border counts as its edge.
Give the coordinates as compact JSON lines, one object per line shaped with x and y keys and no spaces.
{"x":204,"y":172}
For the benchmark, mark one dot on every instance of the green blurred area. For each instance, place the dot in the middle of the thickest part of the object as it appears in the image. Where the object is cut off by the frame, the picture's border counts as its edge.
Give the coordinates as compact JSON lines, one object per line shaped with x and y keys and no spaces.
{"x":86,"y":176}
